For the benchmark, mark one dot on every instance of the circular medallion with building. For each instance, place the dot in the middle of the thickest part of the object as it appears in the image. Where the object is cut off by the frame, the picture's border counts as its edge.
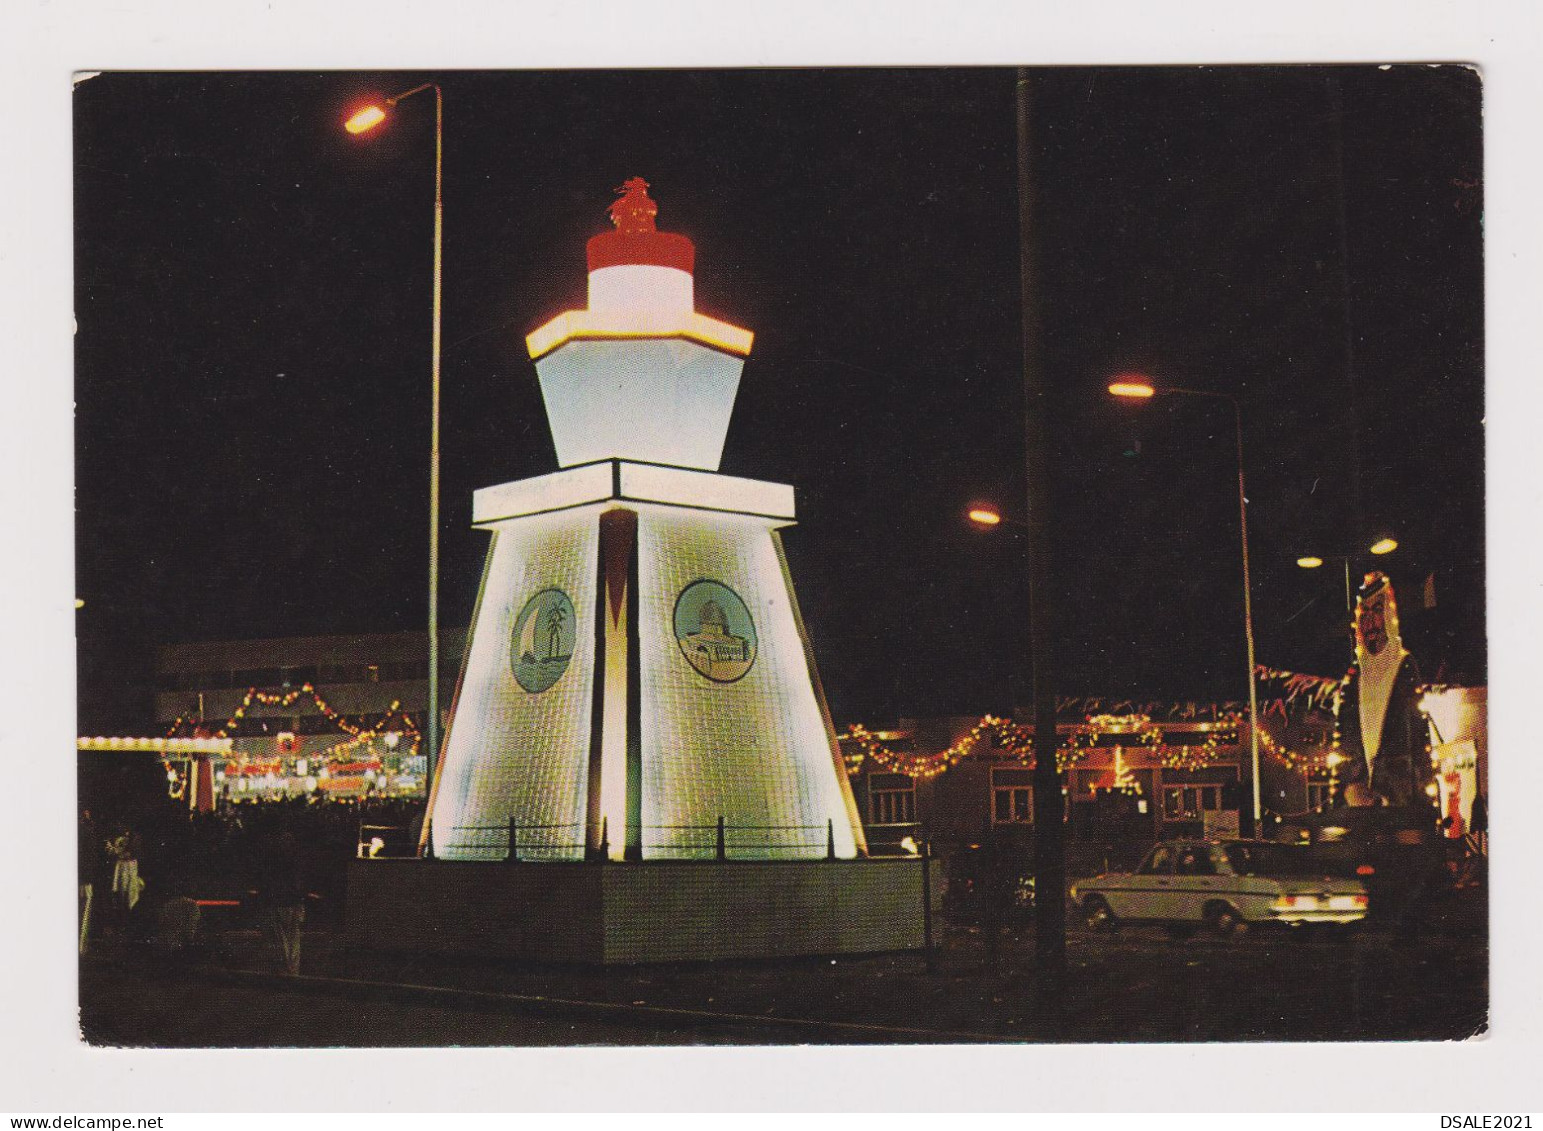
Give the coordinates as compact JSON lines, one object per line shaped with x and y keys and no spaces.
{"x":542,"y":646}
{"x":714,"y":631}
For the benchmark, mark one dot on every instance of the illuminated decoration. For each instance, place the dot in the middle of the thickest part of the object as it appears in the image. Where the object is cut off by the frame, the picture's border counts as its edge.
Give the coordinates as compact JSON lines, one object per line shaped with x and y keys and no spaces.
{"x":601,"y":325}
{"x":184,"y":760}
{"x":176,"y":746}
{"x":1300,"y":763}
{"x":985,"y":517}
{"x":1457,"y":744}
{"x":1015,"y":743}
{"x":1384,"y":546}
{"x":1379,"y":653}
{"x":1310,"y":561}
{"x":1457,"y":782}
{"x":675,"y":692}
{"x":240,"y":767}
{"x":1124,"y":779}
{"x":640,"y":374}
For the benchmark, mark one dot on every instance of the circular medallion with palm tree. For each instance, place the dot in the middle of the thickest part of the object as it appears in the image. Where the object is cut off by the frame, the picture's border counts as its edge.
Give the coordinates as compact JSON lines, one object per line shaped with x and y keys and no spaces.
{"x":542,"y":642}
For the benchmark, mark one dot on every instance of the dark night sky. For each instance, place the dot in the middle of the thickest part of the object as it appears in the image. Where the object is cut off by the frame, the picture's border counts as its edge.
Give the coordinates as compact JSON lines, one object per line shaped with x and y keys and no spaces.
{"x":252,"y":297}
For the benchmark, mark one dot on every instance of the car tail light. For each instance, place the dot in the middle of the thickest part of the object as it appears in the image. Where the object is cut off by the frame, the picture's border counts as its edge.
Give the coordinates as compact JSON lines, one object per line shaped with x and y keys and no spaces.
{"x":1359,"y":901}
{"x":1365,"y":870}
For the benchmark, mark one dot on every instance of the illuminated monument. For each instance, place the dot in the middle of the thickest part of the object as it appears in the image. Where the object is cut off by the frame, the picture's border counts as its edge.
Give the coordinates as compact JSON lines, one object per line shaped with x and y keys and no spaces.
{"x":638,"y":669}
{"x":639,"y":766}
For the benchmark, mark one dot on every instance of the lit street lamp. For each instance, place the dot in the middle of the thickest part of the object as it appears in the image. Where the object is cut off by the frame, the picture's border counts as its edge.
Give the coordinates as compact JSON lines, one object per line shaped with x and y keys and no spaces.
{"x":1138,"y":388}
{"x":1382,"y":547}
{"x":987,"y":516}
{"x":361,"y":122}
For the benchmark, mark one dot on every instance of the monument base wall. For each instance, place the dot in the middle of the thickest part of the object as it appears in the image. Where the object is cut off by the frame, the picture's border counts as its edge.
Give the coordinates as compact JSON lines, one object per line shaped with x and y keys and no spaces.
{"x":636,"y":913}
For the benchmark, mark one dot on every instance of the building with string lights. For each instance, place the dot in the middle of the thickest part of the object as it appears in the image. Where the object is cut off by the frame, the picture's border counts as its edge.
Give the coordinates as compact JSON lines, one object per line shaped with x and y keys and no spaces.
{"x":1134,"y":776}
{"x":324,"y":716}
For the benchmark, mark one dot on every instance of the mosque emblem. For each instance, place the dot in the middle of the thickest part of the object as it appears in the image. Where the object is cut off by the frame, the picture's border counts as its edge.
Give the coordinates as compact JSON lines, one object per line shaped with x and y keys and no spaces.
{"x":714,"y":631}
{"x":542,"y":644}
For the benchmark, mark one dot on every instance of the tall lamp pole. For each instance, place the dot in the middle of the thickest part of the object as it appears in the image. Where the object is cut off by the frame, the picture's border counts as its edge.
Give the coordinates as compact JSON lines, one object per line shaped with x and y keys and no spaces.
{"x":1049,"y":802}
{"x":363,"y":121}
{"x":1134,"y":388}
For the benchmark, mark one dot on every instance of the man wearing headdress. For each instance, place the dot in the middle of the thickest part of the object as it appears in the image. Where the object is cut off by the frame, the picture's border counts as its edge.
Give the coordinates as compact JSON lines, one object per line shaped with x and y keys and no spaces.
{"x":1381,"y":729}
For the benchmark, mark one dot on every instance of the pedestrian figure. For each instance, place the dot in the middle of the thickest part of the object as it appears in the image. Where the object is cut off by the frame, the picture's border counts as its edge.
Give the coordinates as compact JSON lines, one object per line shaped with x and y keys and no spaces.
{"x":282,"y":894}
{"x":88,"y":863}
{"x":127,"y":887}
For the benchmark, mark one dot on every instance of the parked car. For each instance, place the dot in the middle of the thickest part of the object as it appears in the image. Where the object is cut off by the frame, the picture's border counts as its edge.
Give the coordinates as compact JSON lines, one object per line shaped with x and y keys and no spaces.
{"x":1225,"y":885}
{"x":1399,"y":854}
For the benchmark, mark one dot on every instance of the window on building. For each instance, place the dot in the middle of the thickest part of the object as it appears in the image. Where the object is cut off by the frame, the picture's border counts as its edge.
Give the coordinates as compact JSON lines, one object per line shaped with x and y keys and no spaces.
{"x":1188,"y":802}
{"x":1012,"y":797}
{"x":891,"y":799}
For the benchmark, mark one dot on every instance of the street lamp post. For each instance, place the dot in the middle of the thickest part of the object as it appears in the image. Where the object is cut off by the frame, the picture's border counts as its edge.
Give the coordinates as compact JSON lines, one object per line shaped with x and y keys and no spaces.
{"x":1382,"y":546}
{"x":361,"y":122}
{"x":1049,"y":806}
{"x":1137,"y":388}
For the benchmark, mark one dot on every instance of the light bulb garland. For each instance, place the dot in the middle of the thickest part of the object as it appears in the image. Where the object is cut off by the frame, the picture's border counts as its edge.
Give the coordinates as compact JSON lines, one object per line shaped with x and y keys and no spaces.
{"x":357,"y":750}
{"x":1016,"y":743}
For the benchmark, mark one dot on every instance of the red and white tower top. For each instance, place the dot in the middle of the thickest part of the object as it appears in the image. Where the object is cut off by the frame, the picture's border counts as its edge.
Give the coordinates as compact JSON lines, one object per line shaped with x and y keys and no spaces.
{"x":636,"y":242}
{"x":640,"y":286}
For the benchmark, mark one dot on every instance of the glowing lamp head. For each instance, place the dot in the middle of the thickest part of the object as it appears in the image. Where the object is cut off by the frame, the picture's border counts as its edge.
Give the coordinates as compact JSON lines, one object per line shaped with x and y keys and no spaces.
{"x":1384,"y":546}
{"x":366,"y":119}
{"x":1309,"y":561}
{"x":985,"y":516}
{"x":1132,"y":388}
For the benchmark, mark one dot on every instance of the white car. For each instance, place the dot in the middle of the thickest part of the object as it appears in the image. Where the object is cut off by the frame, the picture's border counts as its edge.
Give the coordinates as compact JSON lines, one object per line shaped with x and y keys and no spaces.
{"x":1224,"y":885}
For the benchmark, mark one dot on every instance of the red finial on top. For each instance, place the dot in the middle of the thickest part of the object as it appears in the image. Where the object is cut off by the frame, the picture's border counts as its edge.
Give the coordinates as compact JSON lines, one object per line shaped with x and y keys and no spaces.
{"x":635,"y":240}
{"x":634,"y":213}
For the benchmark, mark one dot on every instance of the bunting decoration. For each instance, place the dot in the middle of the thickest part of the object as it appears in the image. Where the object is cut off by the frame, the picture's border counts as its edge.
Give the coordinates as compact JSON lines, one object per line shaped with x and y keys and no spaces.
{"x":1080,"y":707}
{"x":1320,"y":691}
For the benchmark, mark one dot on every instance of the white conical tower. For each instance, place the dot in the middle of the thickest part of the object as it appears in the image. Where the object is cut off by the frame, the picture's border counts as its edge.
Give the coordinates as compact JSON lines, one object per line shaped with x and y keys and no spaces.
{"x":638,"y":670}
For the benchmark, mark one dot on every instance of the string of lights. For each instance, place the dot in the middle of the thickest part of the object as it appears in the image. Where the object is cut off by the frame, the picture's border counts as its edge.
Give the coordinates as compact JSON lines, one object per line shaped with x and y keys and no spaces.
{"x":355,"y":752}
{"x":1015,"y":743}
